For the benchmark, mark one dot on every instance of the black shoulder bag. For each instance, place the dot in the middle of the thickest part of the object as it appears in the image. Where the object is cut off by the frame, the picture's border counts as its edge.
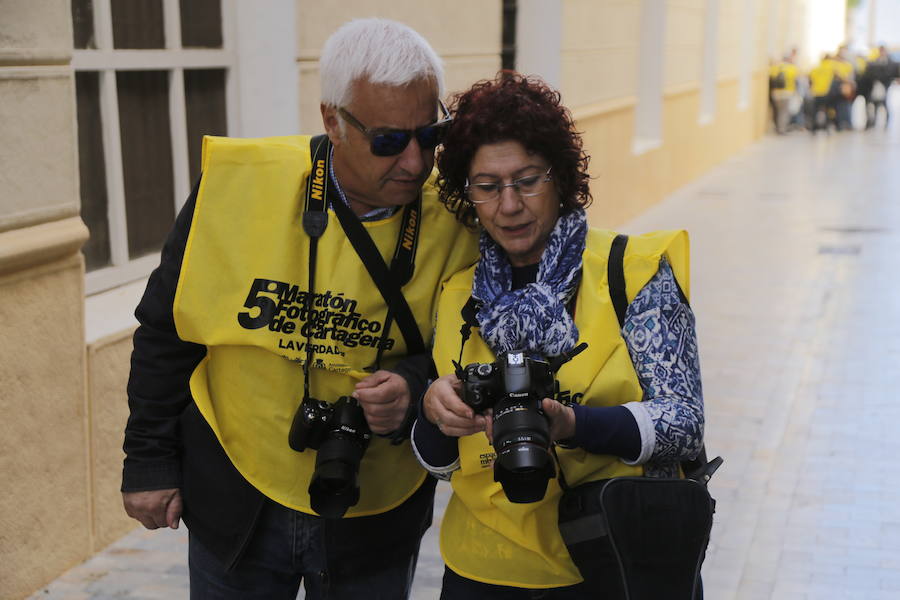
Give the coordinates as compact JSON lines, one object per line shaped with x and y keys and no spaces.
{"x":639,"y":538}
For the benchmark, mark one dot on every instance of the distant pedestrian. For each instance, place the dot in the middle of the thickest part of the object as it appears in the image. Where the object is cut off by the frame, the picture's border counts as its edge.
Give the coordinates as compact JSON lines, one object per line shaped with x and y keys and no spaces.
{"x":880,"y":74}
{"x":821,"y":81}
{"x":783,"y":84}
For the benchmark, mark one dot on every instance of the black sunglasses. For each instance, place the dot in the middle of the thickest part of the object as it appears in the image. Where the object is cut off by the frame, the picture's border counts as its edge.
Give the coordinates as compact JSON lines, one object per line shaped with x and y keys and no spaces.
{"x":384,"y":141}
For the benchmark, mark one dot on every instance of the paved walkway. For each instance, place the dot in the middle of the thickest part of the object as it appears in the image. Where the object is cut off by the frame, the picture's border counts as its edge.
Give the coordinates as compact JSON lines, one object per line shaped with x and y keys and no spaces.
{"x":794,"y":243}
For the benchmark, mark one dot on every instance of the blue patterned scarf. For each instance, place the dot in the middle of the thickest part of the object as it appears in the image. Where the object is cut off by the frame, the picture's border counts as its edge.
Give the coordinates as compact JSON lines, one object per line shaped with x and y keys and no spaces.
{"x":533,"y":318}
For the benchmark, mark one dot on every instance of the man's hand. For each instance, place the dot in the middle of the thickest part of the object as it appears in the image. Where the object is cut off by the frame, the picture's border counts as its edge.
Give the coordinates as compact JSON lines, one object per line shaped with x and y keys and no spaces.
{"x":384,"y":397}
{"x":443,"y":407}
{"x":154,"y":509}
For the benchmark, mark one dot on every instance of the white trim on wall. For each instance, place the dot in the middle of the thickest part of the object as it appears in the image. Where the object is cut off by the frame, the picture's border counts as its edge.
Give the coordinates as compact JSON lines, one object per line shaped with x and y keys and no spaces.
{"x":269,"y":93}
{"x":749,"y":19}
{"x":539,"y":39}
{"x":709,"y":62}
{"x":648,"y":113}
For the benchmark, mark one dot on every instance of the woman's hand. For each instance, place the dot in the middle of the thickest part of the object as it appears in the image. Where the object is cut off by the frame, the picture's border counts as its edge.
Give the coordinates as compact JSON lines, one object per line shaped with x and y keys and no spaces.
{"x":444,"y":408}
{"x":562,"y":419}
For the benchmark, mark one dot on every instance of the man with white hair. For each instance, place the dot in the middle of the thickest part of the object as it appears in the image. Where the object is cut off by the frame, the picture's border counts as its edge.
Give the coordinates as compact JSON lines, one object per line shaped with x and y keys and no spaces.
{"x":289,"y":321}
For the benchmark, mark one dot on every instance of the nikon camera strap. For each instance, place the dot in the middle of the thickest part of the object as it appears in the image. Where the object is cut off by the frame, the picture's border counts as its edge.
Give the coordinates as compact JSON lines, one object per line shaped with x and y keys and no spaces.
{"x":388,"y":281}
{"x":315,"y":221}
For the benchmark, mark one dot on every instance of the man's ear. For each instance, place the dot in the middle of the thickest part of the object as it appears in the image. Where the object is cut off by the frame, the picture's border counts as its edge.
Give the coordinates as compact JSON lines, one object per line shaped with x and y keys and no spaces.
{"x":332,"y":123}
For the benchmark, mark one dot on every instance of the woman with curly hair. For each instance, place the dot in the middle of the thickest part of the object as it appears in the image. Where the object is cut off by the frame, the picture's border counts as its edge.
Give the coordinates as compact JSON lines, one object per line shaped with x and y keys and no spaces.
{"x":629,"y":404}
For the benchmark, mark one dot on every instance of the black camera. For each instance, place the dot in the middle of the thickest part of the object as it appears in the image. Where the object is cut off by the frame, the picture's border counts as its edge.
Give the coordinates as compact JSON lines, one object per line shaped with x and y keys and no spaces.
{"x":341,"y":435}
{"x":515,"y":387}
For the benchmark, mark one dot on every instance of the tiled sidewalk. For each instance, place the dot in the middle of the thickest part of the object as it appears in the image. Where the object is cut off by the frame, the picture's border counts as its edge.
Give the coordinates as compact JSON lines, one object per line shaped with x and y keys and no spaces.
{"x":793,"y":249}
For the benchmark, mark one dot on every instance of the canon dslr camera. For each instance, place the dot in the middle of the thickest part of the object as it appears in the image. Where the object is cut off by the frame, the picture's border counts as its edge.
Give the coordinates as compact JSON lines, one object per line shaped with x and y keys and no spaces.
{"x":515,"y":387}
{"x":341,"y":435}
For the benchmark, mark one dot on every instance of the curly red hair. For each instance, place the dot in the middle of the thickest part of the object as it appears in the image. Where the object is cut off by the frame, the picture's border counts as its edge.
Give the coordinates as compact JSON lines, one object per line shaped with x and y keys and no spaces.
{"x":518,"y":108}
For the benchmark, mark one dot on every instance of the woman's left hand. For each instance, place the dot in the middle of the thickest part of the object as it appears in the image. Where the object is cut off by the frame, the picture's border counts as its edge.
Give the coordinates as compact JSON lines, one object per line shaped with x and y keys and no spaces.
{"x":562,"y":419}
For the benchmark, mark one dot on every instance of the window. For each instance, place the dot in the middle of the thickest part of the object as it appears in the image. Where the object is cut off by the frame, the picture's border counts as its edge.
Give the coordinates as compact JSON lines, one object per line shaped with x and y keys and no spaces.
{"x":151,"y":77}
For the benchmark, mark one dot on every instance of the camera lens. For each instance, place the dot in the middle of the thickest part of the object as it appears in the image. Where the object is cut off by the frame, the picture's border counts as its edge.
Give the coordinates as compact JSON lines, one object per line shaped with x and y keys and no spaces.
{"x":522,"y":440}
{"x":334,"y":486}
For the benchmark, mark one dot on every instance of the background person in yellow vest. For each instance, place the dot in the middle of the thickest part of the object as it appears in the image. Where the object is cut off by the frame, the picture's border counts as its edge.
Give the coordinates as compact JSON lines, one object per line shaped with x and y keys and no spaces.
{"x":783,"y":83}
{"x":513,"y":165}
{"x":233,"y":313}
{"x":821,"y":79}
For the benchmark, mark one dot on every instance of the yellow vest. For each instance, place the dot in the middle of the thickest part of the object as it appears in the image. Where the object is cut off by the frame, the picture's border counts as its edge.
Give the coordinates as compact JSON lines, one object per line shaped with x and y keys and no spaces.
{"x":247,"y":250}
{"x":790,"y":76}
{"x":843,"y":69}
{"x":820,"y":78}
{"x":485,"y":537}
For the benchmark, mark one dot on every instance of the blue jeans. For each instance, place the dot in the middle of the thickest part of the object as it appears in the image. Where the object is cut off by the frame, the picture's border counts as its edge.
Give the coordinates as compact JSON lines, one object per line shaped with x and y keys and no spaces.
{"x":289,"y":547}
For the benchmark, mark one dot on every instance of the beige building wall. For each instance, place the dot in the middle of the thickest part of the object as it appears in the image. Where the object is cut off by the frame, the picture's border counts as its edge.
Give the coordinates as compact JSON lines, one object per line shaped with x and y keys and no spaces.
{"x":600,"y":85}
{"x":108,"y":362}
{"x":63,"y":400}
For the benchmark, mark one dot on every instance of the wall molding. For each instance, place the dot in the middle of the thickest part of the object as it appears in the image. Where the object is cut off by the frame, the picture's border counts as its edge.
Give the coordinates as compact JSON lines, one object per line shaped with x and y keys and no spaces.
{"x":19,"y":57}
{"x":681,"y":89}
{"x":37,"y":245}
{"x":35,"y":72}
{"x":308,"y":55}
{"x":604,"y":107}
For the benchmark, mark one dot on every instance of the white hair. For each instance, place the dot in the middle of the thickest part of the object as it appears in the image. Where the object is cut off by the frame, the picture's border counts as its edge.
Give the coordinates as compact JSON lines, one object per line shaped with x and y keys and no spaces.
{"x":378,"y":51}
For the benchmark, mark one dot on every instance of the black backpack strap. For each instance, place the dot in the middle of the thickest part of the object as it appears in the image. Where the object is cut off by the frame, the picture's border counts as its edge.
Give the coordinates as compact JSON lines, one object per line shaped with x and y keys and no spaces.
{"x":615,"y":275}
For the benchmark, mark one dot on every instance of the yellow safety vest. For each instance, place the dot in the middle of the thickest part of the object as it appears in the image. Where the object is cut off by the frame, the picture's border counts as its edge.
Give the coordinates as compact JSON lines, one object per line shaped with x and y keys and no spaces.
{"x":247,"y":251}
{"x":843,"y":69}
{"x":790,"y":75}
{"x":820,"y":79}
{"x":485,"y":537}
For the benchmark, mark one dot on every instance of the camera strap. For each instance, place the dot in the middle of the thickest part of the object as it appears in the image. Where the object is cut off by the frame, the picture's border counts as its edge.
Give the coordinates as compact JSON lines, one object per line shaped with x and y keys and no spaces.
{"x":388,"y":281}
{"x":315,"y":221}
{"x":469,"y":314}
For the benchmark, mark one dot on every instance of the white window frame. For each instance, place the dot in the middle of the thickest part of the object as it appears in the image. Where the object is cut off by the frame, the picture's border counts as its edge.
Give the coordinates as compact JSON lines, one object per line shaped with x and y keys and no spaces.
{"x":106,"y":61}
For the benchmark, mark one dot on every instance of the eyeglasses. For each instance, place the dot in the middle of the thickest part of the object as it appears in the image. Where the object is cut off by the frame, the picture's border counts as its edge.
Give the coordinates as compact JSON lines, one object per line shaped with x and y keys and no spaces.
{"x":530,"y":185}
{"x":384,"y":141}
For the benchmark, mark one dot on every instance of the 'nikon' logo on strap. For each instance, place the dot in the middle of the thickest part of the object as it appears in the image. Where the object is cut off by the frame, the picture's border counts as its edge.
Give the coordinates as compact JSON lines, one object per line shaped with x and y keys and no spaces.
{"x":409,"y":232}
{"x":318,"y":181}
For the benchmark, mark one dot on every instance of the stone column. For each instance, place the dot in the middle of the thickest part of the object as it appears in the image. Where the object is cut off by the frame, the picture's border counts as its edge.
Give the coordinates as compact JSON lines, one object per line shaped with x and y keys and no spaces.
{"x":44,"y":506}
